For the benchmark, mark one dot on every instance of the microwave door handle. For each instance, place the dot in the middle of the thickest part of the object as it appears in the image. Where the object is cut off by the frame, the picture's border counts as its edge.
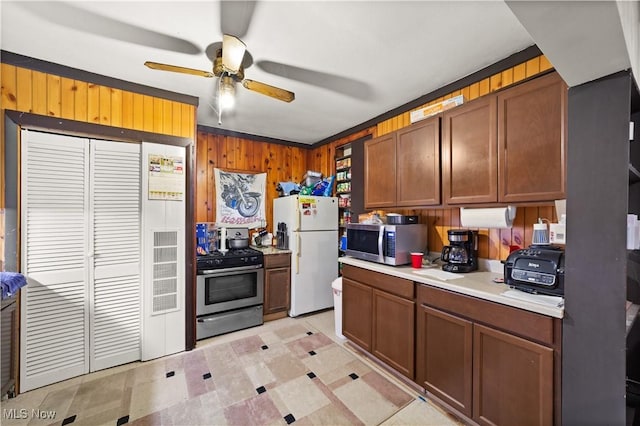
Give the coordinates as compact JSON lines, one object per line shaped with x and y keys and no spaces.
{"x":380,"y":244}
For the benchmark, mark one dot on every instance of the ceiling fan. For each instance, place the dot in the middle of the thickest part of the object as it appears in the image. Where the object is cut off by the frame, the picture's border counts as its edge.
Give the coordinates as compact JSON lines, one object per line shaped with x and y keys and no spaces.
{"x":227,"y":65}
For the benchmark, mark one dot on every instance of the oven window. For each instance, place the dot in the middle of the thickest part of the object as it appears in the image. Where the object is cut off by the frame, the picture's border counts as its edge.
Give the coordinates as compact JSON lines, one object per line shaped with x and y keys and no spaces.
{"x":230,"y":287}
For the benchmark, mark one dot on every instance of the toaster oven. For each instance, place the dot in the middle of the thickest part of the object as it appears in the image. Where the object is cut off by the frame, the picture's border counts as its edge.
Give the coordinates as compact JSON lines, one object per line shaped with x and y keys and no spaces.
{"x":537,"y":269}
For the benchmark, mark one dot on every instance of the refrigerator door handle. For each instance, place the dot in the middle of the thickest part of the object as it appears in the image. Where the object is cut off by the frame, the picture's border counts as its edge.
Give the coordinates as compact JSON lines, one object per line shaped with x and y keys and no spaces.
{"x":299,"y":253}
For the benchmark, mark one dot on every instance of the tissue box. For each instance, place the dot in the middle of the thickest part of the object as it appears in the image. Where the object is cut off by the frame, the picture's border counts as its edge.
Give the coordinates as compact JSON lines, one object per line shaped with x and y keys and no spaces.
{"x":206,"y":238}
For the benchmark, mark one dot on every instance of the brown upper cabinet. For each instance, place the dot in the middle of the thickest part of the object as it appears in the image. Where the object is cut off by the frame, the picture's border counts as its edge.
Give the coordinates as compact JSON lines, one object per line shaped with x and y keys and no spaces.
{"x":507,"y":147}
{"x":470,"y":153}
{"x":403,"y":168}
{"x":532,"y":140}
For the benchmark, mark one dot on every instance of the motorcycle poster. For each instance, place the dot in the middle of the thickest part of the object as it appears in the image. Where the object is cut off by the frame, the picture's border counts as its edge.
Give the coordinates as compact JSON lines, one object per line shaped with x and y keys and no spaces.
{"x":240,"y":198}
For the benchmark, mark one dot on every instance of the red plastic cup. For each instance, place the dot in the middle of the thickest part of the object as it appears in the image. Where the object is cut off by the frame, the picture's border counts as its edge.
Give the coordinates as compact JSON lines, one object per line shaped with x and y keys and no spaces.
{"x":416,"y":259}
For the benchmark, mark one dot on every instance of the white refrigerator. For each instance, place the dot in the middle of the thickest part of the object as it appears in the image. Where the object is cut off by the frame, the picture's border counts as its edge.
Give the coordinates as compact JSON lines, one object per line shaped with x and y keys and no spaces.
{"x":312,"y":228}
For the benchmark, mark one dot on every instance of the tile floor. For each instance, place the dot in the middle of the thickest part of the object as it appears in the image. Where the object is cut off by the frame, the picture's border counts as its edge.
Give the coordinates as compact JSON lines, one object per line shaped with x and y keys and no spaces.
{"x":92,"y":400}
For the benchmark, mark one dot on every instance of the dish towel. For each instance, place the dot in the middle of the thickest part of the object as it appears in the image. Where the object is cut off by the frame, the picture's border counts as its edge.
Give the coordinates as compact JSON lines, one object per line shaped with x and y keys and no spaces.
{"x":11,"y":282}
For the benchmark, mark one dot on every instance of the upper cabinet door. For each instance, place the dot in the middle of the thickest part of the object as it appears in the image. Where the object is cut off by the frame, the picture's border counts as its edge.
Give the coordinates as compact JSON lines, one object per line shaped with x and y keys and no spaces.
{"x":469,"y":153}
{"x":380,"y":172}
{"x":418,"y":164}
{"x":532,"y":140}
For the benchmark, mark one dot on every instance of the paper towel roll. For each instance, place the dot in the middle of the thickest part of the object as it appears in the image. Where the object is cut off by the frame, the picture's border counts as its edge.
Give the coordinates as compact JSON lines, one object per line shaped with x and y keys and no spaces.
{"x":498,"y":217}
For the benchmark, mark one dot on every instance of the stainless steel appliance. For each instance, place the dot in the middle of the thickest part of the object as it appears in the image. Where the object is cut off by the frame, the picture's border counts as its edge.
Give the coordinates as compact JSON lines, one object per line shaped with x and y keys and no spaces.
{"x":230,"y":291}
{"x":461,"y":255}
{"x":537,"y":269}
{"x":388,"y":244}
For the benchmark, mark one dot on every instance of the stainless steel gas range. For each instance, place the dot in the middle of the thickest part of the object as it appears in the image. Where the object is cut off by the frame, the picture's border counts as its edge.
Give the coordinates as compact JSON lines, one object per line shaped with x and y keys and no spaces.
{"x":230,"y":291}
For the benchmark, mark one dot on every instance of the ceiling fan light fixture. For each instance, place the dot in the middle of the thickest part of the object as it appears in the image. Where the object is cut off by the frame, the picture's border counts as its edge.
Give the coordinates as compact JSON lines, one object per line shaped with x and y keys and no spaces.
{"x":226,"y":93}
{"x":232,"y":53}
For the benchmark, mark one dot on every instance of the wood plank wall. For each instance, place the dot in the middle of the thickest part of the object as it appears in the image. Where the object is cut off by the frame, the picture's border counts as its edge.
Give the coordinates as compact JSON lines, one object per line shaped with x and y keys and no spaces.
{"x":282,"y":163}
{"x":494,"y":243}
{"x":51,"y":95}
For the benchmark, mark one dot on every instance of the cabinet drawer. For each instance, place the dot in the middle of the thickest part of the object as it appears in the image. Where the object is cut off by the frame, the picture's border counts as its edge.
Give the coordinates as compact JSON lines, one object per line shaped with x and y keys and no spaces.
{"x":390,"y":284}
{"x":522,"y":323}
{"x":277,"y":260}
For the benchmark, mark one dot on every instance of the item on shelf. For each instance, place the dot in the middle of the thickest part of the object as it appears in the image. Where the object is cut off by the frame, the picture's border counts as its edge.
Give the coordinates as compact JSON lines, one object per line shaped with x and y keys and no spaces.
{"x":343,"y":163}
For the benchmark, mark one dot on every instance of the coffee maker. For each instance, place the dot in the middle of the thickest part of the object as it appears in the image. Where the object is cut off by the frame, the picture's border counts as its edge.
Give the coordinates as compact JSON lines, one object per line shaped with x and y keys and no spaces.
{"x":461,"y":255}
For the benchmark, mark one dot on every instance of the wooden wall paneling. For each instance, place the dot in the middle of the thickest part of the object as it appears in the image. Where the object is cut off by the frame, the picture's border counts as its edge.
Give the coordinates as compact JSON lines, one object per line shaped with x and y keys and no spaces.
{"x":494,"y":243}
{"x":484,"y":87}
{"x":138,"y":111}
{"x":104,"y":94}
{"x":126,"y":111}
{"x":532,"y":67}
{"x":8,"y":90}
{"x":474,"y":91}
{"x":507,"y":77}
{"x":93,"y":104}
{"x":202,"y":175}
{"x":519,"y":72}
{"x":67,"y":98}
{"x":495,"y":82}
{"x":24,"y":89}
{"x":517,"y":231}
{"x":53,"y":95}
{"x":157,"y":115}
{"x":483,"y":242}
{"x":81,"y":101}
{"x":167,"y":116}
{"x":176,"y":118}
{"x":116,"y":108}
{"x":39,"y":93}
{"x":147,"y":113}
{"x":545,"y":64}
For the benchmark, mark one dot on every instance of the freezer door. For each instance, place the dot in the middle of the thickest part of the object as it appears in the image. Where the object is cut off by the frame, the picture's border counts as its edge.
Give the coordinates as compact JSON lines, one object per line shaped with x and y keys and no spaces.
{"x":314,"y":267}
{"x":306,"y":213}
{"x":318,"y":213}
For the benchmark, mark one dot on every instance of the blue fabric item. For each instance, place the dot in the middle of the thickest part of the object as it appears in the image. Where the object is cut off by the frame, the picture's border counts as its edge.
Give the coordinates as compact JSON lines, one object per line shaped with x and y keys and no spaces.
{"x":11,"y":282}
{"x":287,"y":187}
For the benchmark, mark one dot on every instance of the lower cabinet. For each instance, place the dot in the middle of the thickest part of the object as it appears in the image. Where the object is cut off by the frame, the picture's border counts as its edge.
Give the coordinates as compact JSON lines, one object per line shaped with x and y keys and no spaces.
{"x":379,"y":316}
{"x":494,"y":364}
{"x":277,"y":285}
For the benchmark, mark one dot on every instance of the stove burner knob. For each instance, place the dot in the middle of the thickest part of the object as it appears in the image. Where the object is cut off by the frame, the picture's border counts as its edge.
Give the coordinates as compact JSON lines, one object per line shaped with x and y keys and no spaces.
{"x":217,"y":261}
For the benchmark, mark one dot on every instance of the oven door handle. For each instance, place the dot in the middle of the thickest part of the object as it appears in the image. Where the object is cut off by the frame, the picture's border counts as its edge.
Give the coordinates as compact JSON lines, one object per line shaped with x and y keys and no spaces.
{"x":225,"y":271}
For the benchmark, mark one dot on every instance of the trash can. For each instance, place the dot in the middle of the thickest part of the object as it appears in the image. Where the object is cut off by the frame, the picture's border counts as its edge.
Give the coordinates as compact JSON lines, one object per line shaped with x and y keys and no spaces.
{"x":336,"y":285}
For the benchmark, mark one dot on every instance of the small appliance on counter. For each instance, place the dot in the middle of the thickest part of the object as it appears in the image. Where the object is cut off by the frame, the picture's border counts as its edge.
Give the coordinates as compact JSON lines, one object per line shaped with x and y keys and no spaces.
{"x":537,"y":269}
{"x":461,"y":255}
{"x":383,"y":243}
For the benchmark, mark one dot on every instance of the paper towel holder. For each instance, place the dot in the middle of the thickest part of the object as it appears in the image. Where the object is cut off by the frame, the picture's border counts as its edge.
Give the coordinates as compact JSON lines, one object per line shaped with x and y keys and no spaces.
{"x":493,"y":217}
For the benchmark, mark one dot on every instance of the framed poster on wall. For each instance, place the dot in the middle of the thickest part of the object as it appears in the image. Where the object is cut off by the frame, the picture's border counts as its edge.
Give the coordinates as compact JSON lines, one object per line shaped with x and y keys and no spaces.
{"x":240,"y":198}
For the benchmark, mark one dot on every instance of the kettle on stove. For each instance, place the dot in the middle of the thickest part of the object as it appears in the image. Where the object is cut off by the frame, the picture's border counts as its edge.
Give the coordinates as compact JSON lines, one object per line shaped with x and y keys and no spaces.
{"x":461,"y":255}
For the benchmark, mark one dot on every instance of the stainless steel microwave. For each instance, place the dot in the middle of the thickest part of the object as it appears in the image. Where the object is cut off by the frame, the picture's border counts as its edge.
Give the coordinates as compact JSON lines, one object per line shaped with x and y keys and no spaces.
{"x":388,"y":244}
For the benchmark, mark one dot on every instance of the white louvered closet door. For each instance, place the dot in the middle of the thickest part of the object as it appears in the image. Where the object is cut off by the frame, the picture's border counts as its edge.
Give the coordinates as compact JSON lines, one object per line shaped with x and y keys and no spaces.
{"x":55,"y":233}
{"x":115,"y":218}
{"x":81,"y":253}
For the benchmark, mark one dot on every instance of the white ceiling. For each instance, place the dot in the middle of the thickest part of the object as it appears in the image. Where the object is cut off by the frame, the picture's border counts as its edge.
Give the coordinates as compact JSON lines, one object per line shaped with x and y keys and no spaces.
{"x":347,"y":62}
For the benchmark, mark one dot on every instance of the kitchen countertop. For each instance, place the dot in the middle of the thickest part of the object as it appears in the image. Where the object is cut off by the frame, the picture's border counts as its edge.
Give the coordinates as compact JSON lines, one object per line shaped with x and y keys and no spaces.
{"x":267,"y":250}
{"x":477,"y":284}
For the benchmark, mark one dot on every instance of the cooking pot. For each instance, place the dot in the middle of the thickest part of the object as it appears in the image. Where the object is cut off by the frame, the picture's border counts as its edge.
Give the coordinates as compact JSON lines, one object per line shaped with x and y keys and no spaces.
{"x":238,"y":243}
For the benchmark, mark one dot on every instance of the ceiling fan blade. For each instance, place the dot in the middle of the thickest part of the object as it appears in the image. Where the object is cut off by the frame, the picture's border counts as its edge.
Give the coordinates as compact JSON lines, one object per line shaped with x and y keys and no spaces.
{"x":176,"y":68}
{"x":232,"y":53}
{"x":336,"y":83}
{"x":265,"y":89}
{"x":69,"y":16}
{"x":235,"y":17}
